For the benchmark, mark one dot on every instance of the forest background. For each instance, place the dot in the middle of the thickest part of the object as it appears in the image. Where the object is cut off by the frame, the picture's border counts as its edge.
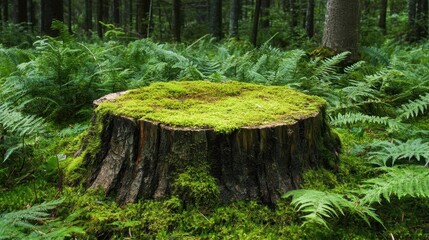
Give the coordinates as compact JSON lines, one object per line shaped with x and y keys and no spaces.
{"x":369,"y":59}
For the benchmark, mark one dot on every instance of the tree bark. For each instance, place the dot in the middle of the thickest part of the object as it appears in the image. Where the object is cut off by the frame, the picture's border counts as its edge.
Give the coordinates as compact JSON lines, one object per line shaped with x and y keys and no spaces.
{"x":293,"y":10}
{"x":5,"y":5}
{"x":341,"y":31}
{"x":88,"y":16}
{"x":116,"y":15}
{"x":20,"y":14}
{"x":383,"y":14}
{"x":69,"y":16}
{"x":51,"y":10}
{"x":309,"y":18}
{"x":216,"y":18}
{"x":139,"y":158}
{"x":233,"y":18}
{"x":176,"y":23}
{"x":265,"y":13}
{"x":142,"y":18}
{"x":257,"y":13}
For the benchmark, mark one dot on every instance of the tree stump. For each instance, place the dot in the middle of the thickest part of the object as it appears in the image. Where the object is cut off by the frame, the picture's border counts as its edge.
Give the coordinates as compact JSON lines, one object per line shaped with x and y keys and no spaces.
{"x":256,"y":141}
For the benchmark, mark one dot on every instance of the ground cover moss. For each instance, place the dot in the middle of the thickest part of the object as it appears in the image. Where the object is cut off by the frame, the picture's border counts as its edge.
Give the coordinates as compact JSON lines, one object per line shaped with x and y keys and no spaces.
{"x":221,"y":106}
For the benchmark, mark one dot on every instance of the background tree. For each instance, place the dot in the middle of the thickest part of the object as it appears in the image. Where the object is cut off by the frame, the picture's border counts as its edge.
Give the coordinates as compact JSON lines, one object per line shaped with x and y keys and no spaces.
{"x":51,"y":10}
{"x":216,"y":18}
{"x":176,"y":20}
{"x":88,"y":16}
{"x":341,"y":31}
{"x":20,"y":13}
{"x":257,"y":13}
{"x":309,"y":18}
{"x":142,"y":18}
{"x":383,"y":15}
{"x":233,"y":18}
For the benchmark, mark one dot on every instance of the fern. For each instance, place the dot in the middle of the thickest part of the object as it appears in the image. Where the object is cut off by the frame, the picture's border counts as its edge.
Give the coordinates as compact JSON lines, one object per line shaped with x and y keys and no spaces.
{"x":376,"y":55}
{"x":22,"y":224}
{"x":408,"y":181}
{"x":19,"y":124}
{"x":328,"y":66}
{"x":319,"y":205}
{"x":390,"y":152}
{"x":353,"y":118}
{"x":414,"y":108}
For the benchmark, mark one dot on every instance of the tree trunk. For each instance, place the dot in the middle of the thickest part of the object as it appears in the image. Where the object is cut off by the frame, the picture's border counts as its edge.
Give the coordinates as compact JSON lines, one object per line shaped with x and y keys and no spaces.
{"x":116,"y":15}
{"x":383,"y":14}
{"x":293,"y":10}
{"x":20,"y":14}
{"x":341,"y":31}
{"x":265,"y":13}
{"x":32,"y":14}
{"x":5,"y":6}
{"x":254,"y":36}
{"x":69,"y":16}
{"x":139,"y":158}
{"x":102,"y":16}
{"x":309,"y":18}
{"x":233,"y":18}
{"x":88,"y":16}
{"x":413,"y":33}
{"x":142,"y":18}
{"x":216,"y":18}
{"x":51,"y":10}
{"x":176,"y":23}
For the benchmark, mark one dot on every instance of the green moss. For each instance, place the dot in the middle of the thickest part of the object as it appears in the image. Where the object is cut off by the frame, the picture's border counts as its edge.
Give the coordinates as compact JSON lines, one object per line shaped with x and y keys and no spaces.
{"x":221,"y":106}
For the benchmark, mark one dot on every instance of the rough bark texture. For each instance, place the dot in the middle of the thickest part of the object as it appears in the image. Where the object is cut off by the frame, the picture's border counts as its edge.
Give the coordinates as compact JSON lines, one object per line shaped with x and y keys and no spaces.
{"x":140,"y":158}
{"x":341,"y":31}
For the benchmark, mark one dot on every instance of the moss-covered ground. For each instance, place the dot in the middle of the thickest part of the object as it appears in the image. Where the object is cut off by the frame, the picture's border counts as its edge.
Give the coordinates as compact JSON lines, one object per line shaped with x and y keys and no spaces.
{"x":221,"y":106}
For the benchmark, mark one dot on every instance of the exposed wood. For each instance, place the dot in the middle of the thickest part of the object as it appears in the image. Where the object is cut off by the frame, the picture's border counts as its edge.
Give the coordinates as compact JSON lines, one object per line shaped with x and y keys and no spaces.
{"x":139,"y":158}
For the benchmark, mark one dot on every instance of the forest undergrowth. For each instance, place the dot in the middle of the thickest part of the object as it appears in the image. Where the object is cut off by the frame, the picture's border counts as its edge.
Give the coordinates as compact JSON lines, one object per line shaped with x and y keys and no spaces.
{"x":378,"y":106}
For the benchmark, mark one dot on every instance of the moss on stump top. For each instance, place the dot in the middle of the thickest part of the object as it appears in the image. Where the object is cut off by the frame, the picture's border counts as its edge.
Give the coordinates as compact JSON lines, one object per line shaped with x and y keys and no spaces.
{"x":221,"y":106}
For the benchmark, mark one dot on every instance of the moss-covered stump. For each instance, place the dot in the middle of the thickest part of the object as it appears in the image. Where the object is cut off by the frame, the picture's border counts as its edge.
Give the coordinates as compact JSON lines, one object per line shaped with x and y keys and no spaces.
{"x":255,"y":141}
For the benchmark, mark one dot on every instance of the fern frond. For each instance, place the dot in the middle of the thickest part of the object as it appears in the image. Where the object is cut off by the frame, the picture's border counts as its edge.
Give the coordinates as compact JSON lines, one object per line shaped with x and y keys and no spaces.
{"x":19,"y":124}
{"x":408,"y":181}
{"x":413,"y":149}
{"x":353,"y":118}
{"x":414,"y":108}
{"x":329,"y":65}
{"x":376,"y":55}
{"x":318,"y":205}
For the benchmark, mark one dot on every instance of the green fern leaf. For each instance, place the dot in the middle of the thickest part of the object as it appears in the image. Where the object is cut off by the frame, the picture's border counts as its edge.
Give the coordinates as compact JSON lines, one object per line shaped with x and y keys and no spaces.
{"x":408,"y":181}
{"x":389,"y":152}
{"x":414,"y":108}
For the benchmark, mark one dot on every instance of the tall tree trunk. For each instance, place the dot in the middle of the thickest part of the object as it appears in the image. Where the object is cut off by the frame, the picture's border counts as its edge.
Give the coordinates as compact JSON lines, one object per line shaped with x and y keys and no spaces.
{"x":294,"y":14}
{"x":20,"y":13}
{"x":309,"y":18}
{"x":32,"y":14}
{"x":116,"y":15}
{"x":383,"y":13}
{"x":412,"y":23}
{"x":257,"y":13}
{"x":233,"y":18}
{"x":142,"y":19}
{"x":88,"y":16}
{"x":265,"y":13}
{"x":102,"y":16}
{"x":5,"y":5}
{"x":51,"y":10}
{"x":69,"y":16}
{"x":216,"y":18}
{"x":176,"y":23}
{"x":425,"y":18}
{"x":341,"y":31}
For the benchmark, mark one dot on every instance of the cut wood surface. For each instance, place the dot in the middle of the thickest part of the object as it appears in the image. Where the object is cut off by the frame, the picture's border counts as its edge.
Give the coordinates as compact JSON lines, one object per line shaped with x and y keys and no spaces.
{"x":141,"y":158}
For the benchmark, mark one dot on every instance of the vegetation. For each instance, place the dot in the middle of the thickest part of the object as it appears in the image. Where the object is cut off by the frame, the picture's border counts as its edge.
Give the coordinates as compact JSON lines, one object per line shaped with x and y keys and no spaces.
{"x":224,"y":107}
{"x":378,"y":105}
